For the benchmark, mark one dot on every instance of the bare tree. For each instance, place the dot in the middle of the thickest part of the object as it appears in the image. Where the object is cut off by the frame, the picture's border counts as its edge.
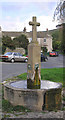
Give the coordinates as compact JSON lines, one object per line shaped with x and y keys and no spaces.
{"x":59,"y":13}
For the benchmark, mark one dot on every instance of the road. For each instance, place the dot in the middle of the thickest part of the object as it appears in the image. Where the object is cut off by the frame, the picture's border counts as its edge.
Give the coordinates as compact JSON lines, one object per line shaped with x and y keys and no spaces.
{"x":54,"y":62}
{"x":8,"y":70}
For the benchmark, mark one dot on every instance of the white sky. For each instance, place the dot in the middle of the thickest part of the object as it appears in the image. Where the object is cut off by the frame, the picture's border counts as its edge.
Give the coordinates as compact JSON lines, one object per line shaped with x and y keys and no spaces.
{"x":16,"y":14}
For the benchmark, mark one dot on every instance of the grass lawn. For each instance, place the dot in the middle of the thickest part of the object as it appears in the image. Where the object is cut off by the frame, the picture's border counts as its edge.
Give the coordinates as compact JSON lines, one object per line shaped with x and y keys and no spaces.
{"x":53,"y":74}
{"x":7,"y":107}
{"x":0,"y":60}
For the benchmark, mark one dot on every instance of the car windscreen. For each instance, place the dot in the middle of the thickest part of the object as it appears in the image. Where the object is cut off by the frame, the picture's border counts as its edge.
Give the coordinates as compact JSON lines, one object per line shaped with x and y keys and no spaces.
{"x":20,"y":54}
{"x":8,"y":53}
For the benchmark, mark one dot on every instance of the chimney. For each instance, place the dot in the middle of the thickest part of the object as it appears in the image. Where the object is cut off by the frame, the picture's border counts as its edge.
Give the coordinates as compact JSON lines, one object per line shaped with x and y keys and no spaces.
{"x":47,"y":29}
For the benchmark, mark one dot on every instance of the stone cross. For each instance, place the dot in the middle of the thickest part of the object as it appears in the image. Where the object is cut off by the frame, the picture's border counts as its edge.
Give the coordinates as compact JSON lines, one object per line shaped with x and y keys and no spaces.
{"x":34,"y":64}
{"x":34,"y":30}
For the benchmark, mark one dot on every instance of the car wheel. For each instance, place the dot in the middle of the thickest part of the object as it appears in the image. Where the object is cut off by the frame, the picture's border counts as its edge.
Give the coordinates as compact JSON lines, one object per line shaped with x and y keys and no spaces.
{"x":46,"y":60}
{"x":12,"y":60}
{"x":3,"y":60}
{"x":26,"y":60}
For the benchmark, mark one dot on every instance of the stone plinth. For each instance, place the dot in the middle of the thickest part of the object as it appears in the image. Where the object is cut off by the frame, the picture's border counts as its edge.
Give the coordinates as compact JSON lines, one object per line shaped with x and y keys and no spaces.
{"x":34,"y":65}
{"x":34,"y":52}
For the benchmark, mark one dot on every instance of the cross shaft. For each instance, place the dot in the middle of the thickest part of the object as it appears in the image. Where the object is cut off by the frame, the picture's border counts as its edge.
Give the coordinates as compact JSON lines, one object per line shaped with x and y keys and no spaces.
{"x":34,"y":28}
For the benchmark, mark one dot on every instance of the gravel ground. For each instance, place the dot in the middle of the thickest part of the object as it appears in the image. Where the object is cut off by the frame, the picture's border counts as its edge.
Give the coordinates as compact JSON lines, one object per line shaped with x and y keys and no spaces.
{"x":44,"y":114}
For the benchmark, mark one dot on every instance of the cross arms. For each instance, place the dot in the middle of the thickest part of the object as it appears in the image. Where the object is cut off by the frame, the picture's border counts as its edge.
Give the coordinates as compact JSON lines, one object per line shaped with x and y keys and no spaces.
{"x":34,"y":23}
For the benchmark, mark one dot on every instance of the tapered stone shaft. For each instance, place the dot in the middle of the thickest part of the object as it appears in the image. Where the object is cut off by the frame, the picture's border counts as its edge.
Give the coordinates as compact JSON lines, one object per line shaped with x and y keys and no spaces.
{"x":34,"y":64}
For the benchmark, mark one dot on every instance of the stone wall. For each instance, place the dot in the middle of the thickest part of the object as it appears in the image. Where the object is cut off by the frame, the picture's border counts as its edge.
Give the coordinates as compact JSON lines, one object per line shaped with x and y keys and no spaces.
{"x":20,"y":50}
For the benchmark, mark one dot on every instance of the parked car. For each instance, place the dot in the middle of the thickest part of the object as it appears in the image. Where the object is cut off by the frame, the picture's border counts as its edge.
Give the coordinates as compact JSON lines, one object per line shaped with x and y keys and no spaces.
{"x":13,"y":56}
{"x":51,"y":54}
{"x":57,"y":54}
{"x":43,"y":58}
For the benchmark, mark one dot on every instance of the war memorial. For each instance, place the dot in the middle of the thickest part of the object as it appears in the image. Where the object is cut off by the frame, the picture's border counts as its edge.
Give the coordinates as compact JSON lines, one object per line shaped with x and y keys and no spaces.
{"x":34,"y":93}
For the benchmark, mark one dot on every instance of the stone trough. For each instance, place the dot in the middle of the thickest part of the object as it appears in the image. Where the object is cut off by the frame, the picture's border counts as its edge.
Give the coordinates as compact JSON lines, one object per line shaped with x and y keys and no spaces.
{"x":47,"y":97}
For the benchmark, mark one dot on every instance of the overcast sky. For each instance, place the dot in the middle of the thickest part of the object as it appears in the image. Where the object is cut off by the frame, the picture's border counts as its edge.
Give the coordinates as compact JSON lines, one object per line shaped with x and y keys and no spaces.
{"x":15,"y":15}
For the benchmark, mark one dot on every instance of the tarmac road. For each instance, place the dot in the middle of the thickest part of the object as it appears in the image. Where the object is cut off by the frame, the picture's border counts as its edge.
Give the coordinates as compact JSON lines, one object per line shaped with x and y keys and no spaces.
{"x":54,"y":62}
{"x":8,"y":70}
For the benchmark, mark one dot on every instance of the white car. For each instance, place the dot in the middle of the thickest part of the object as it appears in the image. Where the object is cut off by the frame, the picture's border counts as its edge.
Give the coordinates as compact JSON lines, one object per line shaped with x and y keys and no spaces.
{"x":14,"y":56}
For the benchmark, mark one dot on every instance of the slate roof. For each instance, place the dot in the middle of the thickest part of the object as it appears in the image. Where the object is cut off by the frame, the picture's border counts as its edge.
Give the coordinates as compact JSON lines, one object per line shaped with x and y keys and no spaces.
{"x":40,"y":34}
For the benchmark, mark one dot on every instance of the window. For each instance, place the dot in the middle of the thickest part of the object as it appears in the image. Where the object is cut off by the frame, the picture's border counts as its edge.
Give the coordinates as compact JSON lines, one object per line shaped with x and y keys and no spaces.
{"x":8,"y":53}
{"x":19,"y":54}
{"x":30,"y":39}
{"x":15,"y":54}
{"x":44,"y":40}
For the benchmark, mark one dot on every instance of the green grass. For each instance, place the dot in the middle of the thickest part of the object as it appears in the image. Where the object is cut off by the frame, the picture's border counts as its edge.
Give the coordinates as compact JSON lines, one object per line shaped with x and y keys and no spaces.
{"x":7,"y":107}
{"x":0,"y":60}
{"x":23,"y":76}
{"x":53,"y":74}
{"x":64,"y":98}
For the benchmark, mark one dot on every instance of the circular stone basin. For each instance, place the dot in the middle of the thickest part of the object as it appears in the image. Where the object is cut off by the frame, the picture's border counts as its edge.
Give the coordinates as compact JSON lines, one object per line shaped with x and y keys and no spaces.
{"x":45,"y":84}
{"x":47,"y":97}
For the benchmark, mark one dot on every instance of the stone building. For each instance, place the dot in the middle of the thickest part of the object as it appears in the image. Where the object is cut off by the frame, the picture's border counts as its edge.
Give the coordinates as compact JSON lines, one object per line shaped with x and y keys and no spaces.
{"x":43,"y":37}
